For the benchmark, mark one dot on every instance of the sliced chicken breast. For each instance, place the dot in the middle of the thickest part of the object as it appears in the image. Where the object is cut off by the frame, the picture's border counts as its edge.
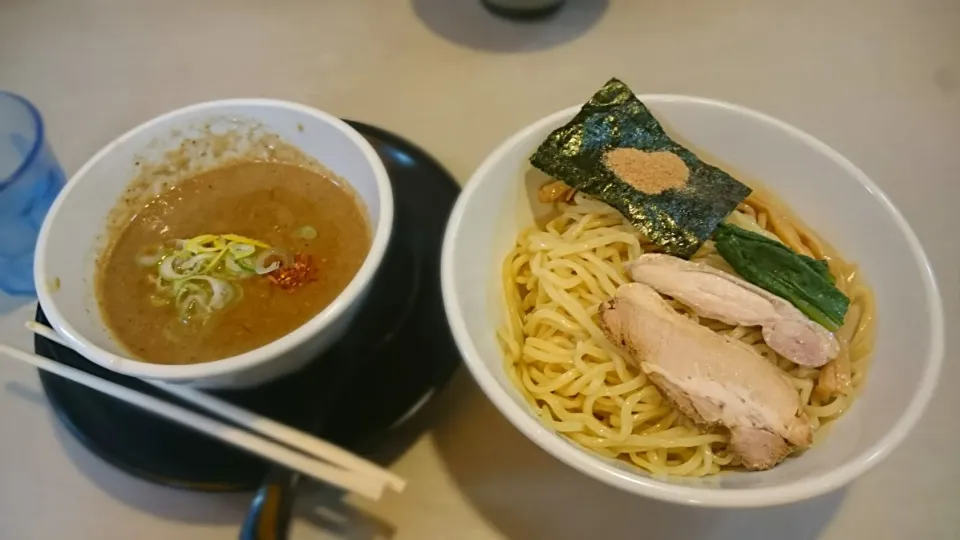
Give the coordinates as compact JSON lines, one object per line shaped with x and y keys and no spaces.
{"x":715,"y":294}
{"x":712,"y":379}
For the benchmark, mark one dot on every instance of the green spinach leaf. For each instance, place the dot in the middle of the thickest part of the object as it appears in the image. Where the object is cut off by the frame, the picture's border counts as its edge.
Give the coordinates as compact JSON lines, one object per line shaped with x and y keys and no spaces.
{"x":804,"y":282}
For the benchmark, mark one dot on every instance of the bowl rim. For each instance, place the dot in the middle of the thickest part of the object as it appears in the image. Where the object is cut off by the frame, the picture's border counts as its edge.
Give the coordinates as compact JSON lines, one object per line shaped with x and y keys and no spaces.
{"x":598,"y":468}
{"x":241,"y":362}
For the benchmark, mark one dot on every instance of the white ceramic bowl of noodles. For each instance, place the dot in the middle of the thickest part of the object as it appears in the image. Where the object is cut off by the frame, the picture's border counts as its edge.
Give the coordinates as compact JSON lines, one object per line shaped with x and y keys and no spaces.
{"x":824,"y":189}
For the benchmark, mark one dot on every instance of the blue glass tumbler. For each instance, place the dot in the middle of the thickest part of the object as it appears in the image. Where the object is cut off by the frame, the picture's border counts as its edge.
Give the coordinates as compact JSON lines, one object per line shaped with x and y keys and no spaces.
{"x":30,"y":179}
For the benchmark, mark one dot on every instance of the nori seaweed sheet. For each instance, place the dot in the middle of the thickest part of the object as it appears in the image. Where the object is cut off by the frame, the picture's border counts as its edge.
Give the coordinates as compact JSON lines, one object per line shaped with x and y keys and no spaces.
{"x":678,"y":220}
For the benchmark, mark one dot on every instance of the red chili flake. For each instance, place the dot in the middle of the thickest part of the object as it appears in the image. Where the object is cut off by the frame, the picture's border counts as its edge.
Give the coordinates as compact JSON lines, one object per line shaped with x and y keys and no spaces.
{"x":301,"y":272}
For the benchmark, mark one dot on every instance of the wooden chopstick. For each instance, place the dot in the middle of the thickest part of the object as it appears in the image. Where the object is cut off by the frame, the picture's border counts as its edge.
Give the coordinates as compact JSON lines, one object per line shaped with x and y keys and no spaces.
{"x":281,"y":433}
{"x":367,"y":486}
{"x":284,"y":434}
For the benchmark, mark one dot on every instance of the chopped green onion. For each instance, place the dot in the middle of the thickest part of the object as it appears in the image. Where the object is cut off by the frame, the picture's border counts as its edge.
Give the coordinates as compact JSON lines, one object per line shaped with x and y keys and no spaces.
{"x":279,"y":258}
{"x":196,"y":261}
{"x":150,"y":255}
{"x":195,"y":274}
{"x":241,"y":251}
{"x":236,"y":268}
{"x":169,"y":271}
{"x":307,"y":232}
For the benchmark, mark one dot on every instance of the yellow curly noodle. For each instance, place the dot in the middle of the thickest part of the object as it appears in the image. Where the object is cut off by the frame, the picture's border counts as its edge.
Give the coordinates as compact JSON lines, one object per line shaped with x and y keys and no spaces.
{"x":579,"y":383}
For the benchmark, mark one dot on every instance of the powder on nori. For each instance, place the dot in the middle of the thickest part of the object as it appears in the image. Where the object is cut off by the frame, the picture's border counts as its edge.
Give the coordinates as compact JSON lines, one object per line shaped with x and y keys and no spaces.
{"x":678,"y":220}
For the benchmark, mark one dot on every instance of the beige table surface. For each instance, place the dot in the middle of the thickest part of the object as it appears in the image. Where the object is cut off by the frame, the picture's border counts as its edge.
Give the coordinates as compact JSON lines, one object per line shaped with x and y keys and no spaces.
{"x":879,"y":80}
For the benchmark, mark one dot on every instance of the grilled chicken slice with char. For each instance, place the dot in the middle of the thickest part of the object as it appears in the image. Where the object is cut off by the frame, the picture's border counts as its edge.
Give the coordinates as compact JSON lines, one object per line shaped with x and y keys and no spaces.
{"x":711,"y":378}
{"x":717,"y":295}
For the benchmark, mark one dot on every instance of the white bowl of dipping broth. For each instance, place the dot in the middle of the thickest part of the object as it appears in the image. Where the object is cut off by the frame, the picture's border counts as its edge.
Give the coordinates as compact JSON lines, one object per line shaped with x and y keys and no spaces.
{"x":74,"y":232}
{"x":825,"y":190}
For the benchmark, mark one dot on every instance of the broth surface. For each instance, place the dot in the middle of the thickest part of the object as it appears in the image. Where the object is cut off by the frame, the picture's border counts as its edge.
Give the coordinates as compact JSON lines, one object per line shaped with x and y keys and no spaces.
{"x":269,"y":202}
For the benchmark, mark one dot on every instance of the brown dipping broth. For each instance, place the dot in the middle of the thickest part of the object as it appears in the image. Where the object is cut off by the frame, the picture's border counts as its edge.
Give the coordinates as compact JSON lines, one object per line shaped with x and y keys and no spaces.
{"x":269,"y":202}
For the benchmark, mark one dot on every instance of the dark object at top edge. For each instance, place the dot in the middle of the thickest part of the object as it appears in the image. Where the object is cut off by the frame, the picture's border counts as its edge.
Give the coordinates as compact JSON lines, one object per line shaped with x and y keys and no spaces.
{"x":523,"y":14}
